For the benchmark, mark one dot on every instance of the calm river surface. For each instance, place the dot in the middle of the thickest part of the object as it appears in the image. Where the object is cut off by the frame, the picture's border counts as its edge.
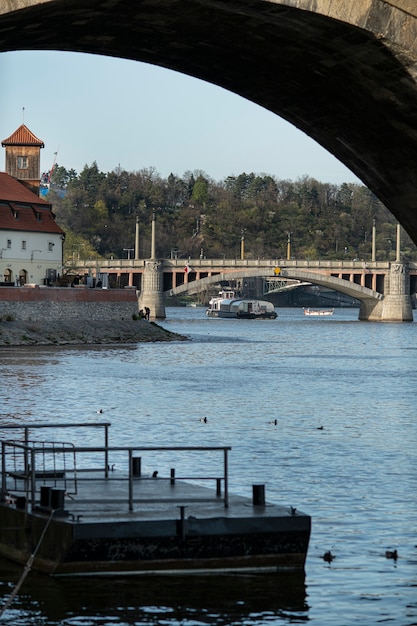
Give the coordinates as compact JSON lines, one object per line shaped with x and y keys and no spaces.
{"x":356,"y":476}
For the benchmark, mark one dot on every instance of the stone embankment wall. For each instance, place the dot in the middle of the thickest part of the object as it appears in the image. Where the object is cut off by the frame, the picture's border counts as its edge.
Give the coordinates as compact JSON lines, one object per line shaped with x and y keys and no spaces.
{"x":50,"y":304}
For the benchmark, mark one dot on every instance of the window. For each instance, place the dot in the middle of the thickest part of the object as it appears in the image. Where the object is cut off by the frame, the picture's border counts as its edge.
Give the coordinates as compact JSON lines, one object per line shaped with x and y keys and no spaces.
{"x":22,"y":162}
{"x":50,"y":246}
{"x":23,"y":245}
{"x":9,"y":243}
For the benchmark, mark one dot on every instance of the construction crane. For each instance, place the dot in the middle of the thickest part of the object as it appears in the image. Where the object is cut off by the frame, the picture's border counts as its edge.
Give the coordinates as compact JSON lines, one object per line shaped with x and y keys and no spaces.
{"x":52,"y":168}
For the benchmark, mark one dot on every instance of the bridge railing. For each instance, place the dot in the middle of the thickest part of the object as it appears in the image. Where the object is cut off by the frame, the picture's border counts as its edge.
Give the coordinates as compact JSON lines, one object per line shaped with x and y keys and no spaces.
{"x":224,"y":264}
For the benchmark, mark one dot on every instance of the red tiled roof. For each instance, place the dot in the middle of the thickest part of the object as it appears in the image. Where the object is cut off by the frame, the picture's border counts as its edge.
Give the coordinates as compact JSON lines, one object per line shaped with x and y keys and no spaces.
{"x":20,"y":209}
{"x":27,"y":220}
{"x":22,"y":137}
{"x":11,"y":189}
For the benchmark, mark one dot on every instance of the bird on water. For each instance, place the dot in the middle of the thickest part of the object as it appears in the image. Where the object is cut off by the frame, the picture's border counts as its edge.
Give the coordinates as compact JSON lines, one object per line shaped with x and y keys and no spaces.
{"x":391,"y":554}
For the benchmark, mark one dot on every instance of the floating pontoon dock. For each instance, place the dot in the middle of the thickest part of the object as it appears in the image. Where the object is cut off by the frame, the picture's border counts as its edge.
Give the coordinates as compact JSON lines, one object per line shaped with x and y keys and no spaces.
{"x":78,"y":510}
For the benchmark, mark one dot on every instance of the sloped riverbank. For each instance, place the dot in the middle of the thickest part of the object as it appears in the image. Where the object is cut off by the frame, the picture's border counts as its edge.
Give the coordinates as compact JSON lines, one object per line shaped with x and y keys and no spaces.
{"x":80,"y":332}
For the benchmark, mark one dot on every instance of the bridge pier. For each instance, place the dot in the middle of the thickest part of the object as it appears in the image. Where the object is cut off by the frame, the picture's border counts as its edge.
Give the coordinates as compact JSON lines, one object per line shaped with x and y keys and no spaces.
{"x":395,"y":306}
{"x":152,"y":293}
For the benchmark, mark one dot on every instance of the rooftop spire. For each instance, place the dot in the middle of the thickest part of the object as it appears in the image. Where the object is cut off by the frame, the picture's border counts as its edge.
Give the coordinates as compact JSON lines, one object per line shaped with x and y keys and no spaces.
{"x":23,"y":137}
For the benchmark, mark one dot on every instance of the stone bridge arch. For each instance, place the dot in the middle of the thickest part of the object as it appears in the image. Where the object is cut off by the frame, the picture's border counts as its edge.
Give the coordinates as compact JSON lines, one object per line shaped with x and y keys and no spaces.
{"x":343,"y":286}
{"x":395,"y":305}
{"x":344,"y":71}
{"x":364,"y":294}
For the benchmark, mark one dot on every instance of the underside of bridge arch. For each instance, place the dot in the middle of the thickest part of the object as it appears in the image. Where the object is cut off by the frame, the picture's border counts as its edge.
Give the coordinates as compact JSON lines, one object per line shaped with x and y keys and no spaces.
{"x":347,"y":87}
{"x":337,"y":284}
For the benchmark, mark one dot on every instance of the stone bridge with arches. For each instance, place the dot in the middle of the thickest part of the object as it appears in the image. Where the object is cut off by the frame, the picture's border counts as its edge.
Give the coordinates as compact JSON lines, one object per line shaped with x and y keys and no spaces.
{"x":383,"y":289}
{"x":344,"y":72}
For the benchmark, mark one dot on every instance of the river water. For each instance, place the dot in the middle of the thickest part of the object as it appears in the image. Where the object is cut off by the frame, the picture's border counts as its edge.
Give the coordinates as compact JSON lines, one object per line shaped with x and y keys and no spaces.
{"x":343,"y":393}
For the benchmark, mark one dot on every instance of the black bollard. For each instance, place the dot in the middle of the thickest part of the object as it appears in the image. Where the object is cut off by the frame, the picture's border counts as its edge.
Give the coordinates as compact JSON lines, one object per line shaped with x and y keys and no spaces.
{"x":57,"y":499}
{"x":46,"y":497}
{"x":21,"y":503}
{"x":258,"y":495}
{"x":136,"y":466}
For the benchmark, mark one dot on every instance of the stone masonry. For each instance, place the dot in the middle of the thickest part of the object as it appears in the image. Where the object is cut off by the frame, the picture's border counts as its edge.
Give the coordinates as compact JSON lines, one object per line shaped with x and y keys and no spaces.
{"x":50,"y":304}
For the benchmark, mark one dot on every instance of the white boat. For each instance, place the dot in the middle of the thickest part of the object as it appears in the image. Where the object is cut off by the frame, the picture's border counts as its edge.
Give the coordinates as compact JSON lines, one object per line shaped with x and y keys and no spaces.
{"x":227,"y":305}
{"x":319,"y":312}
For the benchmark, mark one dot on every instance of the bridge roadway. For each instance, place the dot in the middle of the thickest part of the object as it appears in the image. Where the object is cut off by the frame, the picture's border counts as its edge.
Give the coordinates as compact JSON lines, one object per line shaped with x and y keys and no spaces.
{"x":369,"y":282}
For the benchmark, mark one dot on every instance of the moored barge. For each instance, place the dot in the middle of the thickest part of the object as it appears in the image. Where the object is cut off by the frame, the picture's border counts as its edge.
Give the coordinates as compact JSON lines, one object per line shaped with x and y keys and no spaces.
{"x":77,"y":510}
{"x":227,"y":305}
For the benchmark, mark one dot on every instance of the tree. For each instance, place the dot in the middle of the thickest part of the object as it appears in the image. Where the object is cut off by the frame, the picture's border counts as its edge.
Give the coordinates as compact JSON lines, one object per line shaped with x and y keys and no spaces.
{"x":195,"y":212}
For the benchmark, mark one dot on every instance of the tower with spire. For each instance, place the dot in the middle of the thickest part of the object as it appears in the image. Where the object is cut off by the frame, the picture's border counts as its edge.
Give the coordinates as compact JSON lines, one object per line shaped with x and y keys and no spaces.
{"x":23,"y":157}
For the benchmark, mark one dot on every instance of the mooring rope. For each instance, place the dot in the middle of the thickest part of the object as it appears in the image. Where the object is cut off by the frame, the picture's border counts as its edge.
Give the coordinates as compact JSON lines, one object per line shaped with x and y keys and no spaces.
{"x":27,"y":567}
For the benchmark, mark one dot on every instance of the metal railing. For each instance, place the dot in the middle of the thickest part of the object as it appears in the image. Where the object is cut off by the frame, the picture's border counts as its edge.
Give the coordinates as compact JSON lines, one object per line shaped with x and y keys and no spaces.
{"x":26,"y":465}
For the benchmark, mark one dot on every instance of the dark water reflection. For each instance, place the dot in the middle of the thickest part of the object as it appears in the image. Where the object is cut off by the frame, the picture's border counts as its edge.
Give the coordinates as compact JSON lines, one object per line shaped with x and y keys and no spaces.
{"x":225,"y":600}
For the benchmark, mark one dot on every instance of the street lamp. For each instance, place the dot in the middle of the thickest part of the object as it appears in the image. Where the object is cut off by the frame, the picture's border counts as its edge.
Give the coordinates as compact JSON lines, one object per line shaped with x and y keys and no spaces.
{"x":289,"y":247}
{"x":373,"y":240}
{"x":129,"y":251}
{"x":390,"y":248}
{"x":242,"y":245}
{"x":398,"y":246}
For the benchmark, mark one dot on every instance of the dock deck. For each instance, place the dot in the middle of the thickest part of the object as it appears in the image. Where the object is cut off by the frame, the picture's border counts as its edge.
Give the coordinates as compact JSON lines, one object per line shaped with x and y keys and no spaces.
{"x":91,"y":520}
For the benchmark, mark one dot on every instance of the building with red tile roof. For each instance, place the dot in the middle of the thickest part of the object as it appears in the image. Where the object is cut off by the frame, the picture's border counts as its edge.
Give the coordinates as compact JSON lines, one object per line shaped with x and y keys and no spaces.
{"x":23,"y":150}
{"x":23,"y":137}
{"x":31,"y":242}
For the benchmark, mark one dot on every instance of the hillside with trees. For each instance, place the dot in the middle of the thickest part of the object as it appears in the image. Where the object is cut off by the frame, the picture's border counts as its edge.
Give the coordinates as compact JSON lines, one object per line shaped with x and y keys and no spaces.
{"x":198,"y":216}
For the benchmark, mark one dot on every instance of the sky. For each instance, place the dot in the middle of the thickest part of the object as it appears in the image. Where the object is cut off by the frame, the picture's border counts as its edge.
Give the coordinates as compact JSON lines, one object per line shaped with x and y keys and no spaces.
{"x":133,"y":115}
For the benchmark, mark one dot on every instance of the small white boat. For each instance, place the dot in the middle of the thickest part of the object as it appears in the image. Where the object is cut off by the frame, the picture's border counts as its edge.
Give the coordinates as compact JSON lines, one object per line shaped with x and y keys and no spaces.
{"x":227,"y":305}
{"x":319,"y":312}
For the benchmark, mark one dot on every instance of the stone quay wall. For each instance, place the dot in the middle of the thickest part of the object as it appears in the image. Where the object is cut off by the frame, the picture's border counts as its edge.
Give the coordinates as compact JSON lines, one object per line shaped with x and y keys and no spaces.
{"x":51,"y":304}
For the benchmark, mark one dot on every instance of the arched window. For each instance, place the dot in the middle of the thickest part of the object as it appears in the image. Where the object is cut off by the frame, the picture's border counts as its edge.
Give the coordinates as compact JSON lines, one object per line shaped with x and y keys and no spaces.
{"x":23,"y":277}
{"x":8,"y":276}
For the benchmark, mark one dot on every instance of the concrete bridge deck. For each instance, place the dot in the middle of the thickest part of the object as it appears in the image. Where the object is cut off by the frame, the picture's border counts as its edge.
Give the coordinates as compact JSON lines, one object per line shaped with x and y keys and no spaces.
{"x":384,"y":288}
{"x":129,"y":272}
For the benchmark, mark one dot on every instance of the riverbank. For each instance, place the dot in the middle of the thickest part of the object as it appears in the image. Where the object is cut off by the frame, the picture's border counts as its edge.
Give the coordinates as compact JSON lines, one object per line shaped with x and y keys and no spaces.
{"x":81,"y":332}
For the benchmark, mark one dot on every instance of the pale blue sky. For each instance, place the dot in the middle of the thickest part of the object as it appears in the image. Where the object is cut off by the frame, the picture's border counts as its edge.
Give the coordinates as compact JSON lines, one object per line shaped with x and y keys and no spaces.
{"x":117,"y":112}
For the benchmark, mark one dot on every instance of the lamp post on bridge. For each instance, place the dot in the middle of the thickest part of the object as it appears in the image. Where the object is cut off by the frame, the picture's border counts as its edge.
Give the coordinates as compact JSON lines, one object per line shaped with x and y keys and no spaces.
{"x":289,"y":247}
{"x":129,"y":251}
{"x":398,"y":247}
{"x":137,"y":239}
{"x":390,"y":249}
{"x":373,"y":257}
{"x":153,"y":237}
{"x":242,"y":245}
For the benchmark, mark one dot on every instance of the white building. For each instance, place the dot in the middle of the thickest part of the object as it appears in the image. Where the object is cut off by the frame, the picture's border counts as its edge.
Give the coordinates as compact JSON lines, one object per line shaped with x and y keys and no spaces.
{"x":31,"y":242}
